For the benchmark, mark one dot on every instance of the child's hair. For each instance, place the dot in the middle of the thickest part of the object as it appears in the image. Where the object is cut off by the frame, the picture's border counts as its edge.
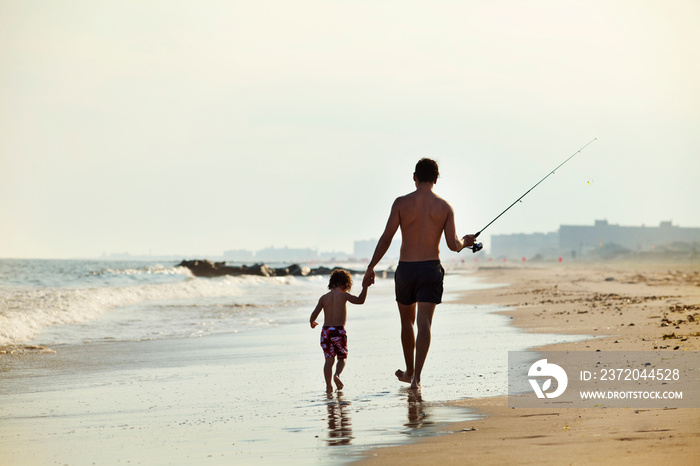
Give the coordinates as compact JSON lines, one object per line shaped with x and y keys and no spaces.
{"x":340,"y":278}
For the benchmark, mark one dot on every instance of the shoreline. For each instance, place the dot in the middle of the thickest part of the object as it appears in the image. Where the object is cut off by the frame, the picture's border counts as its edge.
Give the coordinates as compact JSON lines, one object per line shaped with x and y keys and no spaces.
{"x":210,"y":398}
{"x":624,"y":307}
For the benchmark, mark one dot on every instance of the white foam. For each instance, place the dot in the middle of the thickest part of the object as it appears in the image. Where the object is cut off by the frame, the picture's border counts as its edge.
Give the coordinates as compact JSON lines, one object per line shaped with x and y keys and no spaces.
{"x":24,"y":311}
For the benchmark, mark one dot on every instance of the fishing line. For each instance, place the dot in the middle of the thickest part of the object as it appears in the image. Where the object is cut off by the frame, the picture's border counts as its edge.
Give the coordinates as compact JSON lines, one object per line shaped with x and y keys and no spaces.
{"x":479,"y":246}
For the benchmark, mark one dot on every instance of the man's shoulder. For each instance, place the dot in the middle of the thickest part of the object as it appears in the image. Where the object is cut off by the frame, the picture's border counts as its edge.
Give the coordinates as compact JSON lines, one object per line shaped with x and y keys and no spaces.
{"x":408,"y":197}
{"x":411,"y":198}
{"x":442,"y":201}
{"x":402,"y":200}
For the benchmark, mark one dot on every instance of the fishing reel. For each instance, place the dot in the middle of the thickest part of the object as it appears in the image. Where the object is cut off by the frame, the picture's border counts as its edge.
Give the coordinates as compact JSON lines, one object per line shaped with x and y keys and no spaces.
{"x":476,"y":247}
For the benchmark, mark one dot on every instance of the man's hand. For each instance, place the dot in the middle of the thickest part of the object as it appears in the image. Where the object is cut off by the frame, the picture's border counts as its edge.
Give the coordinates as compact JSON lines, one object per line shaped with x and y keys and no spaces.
{"x":313,"y":324}
{"x":368,"y":278}
{"x":469,"y":240}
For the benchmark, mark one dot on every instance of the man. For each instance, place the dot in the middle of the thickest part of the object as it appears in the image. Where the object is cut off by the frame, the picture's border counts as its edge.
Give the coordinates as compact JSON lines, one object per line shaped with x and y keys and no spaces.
{"x":423,"y":217}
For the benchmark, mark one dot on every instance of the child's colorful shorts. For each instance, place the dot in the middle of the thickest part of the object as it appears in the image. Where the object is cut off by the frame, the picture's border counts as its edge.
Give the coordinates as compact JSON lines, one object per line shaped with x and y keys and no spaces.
{"x":334,"y":342}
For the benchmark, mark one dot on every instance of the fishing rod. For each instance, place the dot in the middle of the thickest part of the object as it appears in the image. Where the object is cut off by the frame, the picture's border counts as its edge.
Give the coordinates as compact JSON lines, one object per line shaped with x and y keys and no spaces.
{"x":479,"y":246}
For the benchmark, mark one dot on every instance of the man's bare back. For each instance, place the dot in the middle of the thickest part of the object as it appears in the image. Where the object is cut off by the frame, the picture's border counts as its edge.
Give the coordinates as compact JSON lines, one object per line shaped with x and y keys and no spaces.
{"x":423,"y":216}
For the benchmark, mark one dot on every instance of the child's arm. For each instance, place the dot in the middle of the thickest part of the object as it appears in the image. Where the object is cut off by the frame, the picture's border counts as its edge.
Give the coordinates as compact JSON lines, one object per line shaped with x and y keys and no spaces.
{"x":315,"y":313}
{"x":360,"y":299}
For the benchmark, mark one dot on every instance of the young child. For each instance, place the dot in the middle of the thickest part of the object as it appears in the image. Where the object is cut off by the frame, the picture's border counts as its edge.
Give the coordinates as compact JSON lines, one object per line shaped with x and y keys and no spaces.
{"x":334,"y":340}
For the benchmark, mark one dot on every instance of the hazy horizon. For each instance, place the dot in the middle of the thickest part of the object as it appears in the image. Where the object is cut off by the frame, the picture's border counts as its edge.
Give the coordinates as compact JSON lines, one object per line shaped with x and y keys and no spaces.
{"x":197,"y":127}
{"x":391,"y":254}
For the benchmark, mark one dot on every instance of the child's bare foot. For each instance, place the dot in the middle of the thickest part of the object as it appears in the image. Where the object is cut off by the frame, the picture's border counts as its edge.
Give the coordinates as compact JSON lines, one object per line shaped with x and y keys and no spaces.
{"x":403,"y":376}
{"x":329,"y":389}
{"x":338,"y":383}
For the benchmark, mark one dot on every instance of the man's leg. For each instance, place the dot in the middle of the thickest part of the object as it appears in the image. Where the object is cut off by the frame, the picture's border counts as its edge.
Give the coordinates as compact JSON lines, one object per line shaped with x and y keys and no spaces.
{"x":407,"y":312}
{"x":425,"y":320}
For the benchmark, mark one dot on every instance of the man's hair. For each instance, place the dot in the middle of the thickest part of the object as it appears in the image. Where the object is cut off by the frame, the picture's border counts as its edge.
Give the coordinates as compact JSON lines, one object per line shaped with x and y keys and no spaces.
{"x":427,"y":171}
{"x":340,"y":278}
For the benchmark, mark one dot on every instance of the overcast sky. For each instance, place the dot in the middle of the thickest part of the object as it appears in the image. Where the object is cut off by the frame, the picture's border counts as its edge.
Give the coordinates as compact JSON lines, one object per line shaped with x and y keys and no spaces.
{"x":192,"y":127}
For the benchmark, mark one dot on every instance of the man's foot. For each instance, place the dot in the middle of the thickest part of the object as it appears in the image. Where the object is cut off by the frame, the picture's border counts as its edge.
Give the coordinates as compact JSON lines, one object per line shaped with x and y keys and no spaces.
{"x":329,"y":389}
{"x":338,"y":383}
{"x":415,"y":384}
{"x":403,"y":376}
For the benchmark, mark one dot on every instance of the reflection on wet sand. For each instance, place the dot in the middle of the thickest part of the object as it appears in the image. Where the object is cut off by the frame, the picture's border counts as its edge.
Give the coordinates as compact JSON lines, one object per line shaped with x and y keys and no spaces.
{"x":339,"y":425}
{"x":417,"y":414}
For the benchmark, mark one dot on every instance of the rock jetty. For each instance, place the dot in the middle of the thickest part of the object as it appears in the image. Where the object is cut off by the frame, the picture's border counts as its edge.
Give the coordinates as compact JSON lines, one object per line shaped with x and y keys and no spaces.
{"x":205,"y":268}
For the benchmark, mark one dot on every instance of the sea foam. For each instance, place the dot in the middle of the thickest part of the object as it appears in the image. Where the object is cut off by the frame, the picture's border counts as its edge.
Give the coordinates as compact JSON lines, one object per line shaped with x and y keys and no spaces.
{"x":25,"y":311}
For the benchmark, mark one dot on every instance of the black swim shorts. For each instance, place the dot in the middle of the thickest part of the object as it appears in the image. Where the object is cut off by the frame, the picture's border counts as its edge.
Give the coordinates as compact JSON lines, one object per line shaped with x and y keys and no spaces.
{"x":419,"y":282}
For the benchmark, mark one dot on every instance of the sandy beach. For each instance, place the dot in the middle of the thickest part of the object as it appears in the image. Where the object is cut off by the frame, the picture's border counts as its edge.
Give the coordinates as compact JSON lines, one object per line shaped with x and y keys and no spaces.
{"x":253,"y":396}
{"x":625,"y":307}
{"x":256,"y":396}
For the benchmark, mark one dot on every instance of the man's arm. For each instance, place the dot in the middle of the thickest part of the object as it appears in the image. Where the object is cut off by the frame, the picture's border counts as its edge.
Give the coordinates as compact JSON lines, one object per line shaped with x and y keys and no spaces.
{"x":453,"y":242}
{"x":360,"y":299}
{"x":383,"y":244}
{"x":315,"y":313}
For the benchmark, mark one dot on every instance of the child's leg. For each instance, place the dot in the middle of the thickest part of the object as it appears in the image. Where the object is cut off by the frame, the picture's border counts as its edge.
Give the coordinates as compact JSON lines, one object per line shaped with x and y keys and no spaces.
{"x":338,"y":369}
{"x":328,"y":373}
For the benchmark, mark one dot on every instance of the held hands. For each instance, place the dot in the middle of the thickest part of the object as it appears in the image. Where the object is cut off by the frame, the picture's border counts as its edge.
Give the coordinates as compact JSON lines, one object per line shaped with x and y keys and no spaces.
{"x":313,"y":324}
{"x":368,"y":279}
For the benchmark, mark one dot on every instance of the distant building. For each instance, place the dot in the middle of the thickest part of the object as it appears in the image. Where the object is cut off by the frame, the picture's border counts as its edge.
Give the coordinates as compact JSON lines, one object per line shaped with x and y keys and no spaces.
{"x":524,"y":245}
{"x":580,"y":239}
{"x":601,"y":239}
{"x":333,"y":256}
{"x":365,"y":249}
{"x":285,"y":254}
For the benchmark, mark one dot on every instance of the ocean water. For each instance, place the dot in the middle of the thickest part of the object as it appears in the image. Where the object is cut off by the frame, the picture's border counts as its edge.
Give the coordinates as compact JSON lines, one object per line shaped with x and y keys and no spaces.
{"x":134,"y":300}
{"x":150,"y":362}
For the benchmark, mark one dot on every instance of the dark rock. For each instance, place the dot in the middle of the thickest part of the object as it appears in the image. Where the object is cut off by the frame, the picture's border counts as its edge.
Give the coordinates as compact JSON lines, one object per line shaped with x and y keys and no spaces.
{"x":298,"y":270}
{"x":322,"y":271}
{"x":200,"y":268}
{"x":205,"y":268}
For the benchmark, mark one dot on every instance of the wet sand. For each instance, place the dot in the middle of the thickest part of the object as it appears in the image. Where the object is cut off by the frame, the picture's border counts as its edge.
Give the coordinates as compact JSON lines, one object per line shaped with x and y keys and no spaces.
{"x":253,"y":397}
{"x":627,"y":307}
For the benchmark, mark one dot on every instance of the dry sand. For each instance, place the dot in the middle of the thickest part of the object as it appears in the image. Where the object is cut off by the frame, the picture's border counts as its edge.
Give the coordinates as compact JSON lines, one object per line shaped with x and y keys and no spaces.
{"x":630,"y":307}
